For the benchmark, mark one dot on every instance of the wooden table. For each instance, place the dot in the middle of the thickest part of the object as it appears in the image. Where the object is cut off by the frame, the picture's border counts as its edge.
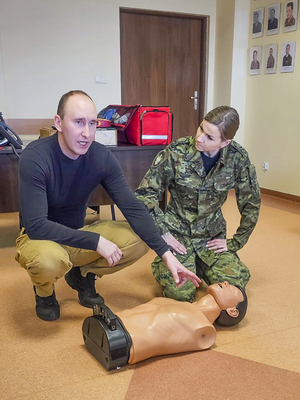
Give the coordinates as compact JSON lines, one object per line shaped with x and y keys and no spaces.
{"x":134,"y":160}
{"x":9,"y":201}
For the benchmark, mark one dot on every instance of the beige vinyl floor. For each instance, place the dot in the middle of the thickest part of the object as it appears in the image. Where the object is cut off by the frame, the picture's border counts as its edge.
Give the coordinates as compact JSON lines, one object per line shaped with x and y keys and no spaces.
{"x":48,"y":360}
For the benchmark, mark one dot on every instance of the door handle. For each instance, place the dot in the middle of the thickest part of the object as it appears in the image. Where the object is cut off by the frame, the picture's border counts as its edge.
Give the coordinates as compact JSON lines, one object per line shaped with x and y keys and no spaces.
{"x":195,"y":98}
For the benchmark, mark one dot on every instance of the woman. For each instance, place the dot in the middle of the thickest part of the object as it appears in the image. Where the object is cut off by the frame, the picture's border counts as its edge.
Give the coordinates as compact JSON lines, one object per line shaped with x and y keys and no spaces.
{"x":198,"y":172}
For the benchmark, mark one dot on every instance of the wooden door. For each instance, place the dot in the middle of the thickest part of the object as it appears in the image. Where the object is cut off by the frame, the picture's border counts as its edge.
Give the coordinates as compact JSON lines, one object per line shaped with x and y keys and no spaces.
{"x":163,"y":63}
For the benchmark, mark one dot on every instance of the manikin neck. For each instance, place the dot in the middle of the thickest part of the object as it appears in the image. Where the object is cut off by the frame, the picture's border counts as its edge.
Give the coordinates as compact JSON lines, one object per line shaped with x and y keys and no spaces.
{"x":209,"y":307}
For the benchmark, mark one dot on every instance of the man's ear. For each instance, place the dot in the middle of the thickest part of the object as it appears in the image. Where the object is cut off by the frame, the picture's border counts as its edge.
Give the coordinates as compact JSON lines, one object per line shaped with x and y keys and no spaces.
{"x":232,"y":312}
{"x":57,"y":123}
{"x":225,"y":143}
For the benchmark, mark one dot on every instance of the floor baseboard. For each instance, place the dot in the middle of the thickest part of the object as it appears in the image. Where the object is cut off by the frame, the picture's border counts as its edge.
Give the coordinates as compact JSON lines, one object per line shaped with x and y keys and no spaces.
{"x":280,"y":195}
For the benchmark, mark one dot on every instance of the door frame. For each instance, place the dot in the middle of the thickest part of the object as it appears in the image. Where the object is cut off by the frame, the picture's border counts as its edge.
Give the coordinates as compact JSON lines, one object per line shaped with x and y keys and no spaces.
{"x":203,"y":48}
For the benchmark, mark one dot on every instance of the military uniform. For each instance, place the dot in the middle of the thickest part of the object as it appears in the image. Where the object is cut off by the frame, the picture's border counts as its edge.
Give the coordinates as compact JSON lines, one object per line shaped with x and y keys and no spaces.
{"x":271,"y":61}
{"x":289,"y":22}
{"x":193,"y":215}
{"x":287,"y":60}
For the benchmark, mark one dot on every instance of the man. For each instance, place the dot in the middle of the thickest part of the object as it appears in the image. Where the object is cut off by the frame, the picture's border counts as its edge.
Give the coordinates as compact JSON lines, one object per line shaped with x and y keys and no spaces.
{"x":164,"y":326}
{"x":290,"y":20}
{"x":57,"y":174}
{"x":255,"y":64}
{"x":287,"y":58}
{"x":272,"y":22}
{"x":256,"y":25}
{"x":271,"y":59}
{"x":199,"y":172}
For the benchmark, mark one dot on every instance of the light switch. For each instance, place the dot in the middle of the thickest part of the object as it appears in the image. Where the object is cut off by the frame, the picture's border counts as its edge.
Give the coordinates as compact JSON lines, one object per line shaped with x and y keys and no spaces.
{"x":100,"y":79}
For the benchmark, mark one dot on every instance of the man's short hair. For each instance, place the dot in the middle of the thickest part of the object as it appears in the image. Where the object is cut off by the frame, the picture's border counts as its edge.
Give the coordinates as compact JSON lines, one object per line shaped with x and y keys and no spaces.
{"x":290,"y":4}
{"x":63,"y":101}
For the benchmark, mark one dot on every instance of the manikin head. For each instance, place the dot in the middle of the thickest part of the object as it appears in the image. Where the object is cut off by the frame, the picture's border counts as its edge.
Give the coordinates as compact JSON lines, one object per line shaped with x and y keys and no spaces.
{"x":232,"y":300}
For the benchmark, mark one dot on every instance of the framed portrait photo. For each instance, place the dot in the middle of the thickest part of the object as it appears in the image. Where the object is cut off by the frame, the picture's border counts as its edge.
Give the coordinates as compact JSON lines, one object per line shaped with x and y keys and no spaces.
{"x":290,"y":14}
{"x":273,"y":19}
{"x":287,"y":60}
{"x":255,"y":58}
{"x":257,"y":22}
{"x":271,"y":55}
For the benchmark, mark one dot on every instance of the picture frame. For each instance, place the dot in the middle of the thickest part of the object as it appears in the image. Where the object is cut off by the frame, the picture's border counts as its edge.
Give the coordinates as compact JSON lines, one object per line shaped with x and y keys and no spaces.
{"x":273,"y":17}
{"x":290,"y":14}
{"x":257,"y":27}
{"x":287,"y":59}
{"x":255,"y":60}
{"x":271,"y":57}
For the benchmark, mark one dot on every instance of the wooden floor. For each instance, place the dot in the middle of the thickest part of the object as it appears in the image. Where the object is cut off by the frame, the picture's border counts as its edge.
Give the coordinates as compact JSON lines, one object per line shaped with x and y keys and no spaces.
{"x":259,"y":359}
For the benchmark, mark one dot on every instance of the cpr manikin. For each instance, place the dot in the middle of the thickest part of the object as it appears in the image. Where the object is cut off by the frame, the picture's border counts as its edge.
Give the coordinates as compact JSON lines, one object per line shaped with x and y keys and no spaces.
{"x":162,"y":326}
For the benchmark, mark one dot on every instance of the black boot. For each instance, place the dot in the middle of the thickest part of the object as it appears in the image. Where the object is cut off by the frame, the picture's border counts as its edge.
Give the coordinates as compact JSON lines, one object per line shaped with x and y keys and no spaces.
{"x":85,"y":287}
{"x":47,"y":308}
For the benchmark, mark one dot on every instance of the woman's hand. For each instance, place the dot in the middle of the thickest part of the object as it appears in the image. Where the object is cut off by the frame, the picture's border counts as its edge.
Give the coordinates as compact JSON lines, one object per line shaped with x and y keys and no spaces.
{"x":217,"y":245}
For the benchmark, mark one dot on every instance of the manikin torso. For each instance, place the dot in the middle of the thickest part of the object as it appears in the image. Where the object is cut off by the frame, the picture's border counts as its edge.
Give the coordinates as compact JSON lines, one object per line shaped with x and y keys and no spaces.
{"x":166,"y":326}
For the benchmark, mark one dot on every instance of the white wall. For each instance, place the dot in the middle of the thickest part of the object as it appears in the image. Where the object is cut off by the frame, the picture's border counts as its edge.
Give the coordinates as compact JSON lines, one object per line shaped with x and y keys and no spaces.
{"x":272,"y":123}
{"x":2,"y":86}
{"x":49,"y":47}
{"x":232,"y":23}
{"x":223,"y":52}
{"x":239,"y":64}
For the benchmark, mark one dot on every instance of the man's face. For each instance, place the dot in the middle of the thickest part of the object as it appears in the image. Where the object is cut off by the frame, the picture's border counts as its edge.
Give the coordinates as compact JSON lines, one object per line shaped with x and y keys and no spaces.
{"x":289,"y":12}
{"x":76,"y":131}
{"x":272,"y":14}
{"x":254,"y":56}
{"x":255,"y":17}
{"x":208,"y":139}
{"x":287,"y":49}
{"x":226,"y":295}
{"x":270,"y":52}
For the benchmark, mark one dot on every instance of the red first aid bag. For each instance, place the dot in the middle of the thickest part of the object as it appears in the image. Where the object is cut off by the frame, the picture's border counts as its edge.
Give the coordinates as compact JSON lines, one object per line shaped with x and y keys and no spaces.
{"x":142,"y":125}
{"x":150,"y":126}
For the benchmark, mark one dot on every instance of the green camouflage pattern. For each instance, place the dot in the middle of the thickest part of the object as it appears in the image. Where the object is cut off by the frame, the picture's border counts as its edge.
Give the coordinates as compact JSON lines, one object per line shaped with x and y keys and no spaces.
{"x":193,"y":214}
{"x":226,"y":267}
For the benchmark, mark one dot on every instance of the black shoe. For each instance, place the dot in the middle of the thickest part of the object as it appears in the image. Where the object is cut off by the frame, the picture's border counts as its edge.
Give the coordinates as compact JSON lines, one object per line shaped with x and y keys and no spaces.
{"x":85,"y":287}
{"x":47,"y":308}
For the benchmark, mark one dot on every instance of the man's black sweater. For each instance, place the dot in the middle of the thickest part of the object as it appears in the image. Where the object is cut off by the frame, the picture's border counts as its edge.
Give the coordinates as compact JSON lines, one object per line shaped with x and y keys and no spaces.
{"x":54,"y":192}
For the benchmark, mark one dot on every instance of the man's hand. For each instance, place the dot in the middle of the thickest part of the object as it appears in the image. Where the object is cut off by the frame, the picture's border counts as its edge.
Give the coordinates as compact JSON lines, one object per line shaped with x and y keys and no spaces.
{"x":179,"y":272}
{"x":109,"y":250}
{"x":172,"y":242}
{"x":218,"y":245}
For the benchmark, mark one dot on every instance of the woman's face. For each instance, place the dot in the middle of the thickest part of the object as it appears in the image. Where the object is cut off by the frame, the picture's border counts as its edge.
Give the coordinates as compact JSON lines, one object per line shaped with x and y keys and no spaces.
{"x":208,"y":139}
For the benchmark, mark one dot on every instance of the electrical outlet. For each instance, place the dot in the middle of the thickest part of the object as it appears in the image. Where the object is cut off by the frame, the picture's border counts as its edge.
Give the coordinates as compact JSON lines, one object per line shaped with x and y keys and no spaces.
{"x":265,"y":166}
